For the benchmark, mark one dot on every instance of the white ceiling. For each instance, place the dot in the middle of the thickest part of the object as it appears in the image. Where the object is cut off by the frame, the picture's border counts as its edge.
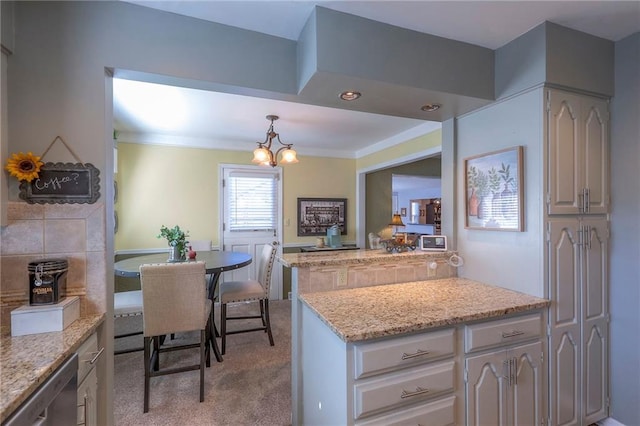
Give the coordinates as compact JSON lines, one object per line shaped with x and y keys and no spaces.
{"x":237,"y":122}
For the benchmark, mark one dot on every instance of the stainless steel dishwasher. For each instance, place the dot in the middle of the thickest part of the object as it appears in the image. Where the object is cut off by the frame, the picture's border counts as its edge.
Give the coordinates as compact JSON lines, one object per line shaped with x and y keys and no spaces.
{"x":54,"y":402}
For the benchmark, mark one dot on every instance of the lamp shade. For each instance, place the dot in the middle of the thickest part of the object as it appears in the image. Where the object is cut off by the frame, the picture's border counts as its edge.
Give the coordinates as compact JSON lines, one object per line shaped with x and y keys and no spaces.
{"x":289,"y":156}
{"x":396,"y":220}
{"x":260,"y":156}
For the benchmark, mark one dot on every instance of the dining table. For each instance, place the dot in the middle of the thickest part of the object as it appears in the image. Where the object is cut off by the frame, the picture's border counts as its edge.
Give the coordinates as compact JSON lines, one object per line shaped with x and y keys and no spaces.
{"x":216,"y":262}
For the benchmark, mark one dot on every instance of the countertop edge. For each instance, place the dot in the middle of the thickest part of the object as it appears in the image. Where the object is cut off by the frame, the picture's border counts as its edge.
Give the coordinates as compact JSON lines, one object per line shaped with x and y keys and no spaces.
{"x":355,"y":257}
{"x":74,"y":335}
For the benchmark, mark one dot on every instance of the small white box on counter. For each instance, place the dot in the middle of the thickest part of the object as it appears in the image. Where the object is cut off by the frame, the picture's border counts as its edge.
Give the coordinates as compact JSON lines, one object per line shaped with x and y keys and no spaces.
{"x":45,"y":318}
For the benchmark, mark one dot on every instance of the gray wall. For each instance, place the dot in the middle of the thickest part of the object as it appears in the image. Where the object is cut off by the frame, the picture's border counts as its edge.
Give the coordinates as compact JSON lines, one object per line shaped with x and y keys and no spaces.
{"x":625,"y":234}
{"x":516,"y":257}
{"x":556,"y":56}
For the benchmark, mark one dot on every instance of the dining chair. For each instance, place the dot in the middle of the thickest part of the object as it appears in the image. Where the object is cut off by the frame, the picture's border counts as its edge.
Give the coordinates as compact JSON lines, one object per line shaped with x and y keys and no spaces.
{"x":249,"y":291}
{"x":174,"y":300}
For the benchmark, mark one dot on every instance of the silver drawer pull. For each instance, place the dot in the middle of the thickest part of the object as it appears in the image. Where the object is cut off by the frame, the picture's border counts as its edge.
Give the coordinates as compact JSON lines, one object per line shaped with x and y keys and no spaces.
{"x":512,"y":334}
{"x":418,"y":353}
{"x":95,"y":357}
{"x":418,"y":391}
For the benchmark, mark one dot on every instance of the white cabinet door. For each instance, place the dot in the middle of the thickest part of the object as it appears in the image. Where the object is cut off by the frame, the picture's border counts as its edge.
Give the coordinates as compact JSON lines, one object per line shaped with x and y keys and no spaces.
{"x":526,"y":400}
{"x":595,"y":137}
{"x":486,"y":389}
{"x":595,"y":320}
{"x":578,"y":154}
{"x":564,"y":318}
{"x":88,"y":399}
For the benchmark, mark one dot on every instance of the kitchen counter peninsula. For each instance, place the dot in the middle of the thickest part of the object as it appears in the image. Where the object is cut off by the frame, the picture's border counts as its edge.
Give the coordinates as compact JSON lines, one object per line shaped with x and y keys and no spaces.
{"x":27,"y":361}
{"x":357,"y":257}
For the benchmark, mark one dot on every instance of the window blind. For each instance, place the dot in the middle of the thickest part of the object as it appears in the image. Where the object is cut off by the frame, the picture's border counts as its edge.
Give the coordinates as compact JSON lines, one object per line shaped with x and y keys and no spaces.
{"x":252,"y":202}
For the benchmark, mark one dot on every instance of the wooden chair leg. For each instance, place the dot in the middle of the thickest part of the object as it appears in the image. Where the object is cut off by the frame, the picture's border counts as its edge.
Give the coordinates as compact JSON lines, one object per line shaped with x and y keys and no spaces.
{"x":156,"y":350}
{"x":207,"y":348}
{"x":264,"y":324}
{"x":268,"y":322}
{"x":147,"y":367}
{"x":203,"y":338}
{"x":223,"y":327}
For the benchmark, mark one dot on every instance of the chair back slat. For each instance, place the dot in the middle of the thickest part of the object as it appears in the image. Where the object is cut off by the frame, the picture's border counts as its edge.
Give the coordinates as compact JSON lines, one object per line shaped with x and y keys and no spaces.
{"x":265,"y":266}
{"x":173,"y":297}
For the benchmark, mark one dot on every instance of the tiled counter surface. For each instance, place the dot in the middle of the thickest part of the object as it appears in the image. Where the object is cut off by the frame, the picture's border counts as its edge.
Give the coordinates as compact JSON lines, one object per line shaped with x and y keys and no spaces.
{"x":386,"y":310}
{"x":356,"y":257}
{"x":27,"y":361}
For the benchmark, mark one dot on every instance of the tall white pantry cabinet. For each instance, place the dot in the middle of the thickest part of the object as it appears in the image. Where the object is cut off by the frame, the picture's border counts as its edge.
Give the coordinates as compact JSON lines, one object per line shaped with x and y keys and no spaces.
{"x":576,"y":249}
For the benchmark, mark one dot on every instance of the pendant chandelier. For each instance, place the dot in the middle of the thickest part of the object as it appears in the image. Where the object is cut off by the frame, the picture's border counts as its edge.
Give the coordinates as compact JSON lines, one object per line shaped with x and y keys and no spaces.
{"x":264,"y":156}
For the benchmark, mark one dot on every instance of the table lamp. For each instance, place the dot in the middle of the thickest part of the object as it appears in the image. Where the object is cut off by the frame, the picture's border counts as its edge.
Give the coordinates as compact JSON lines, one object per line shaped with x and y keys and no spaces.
{"x":396,"y":221}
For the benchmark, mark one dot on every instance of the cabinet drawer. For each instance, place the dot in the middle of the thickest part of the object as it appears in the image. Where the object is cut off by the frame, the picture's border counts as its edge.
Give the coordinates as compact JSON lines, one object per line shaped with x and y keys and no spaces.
{"x":386,"y":355}
{"x":86,"y":353}
{"x":502,"y":332}
{"x":437,"y":413}
{"x":377,"y":394}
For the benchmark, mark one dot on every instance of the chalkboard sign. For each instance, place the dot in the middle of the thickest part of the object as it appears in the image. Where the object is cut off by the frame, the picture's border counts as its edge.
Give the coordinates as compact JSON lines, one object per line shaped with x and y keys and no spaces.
{"x":61,"y":183}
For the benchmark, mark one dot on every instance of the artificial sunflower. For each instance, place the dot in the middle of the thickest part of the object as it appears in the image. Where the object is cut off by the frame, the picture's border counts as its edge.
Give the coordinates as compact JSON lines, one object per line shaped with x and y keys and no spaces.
{"x":24,"y":166}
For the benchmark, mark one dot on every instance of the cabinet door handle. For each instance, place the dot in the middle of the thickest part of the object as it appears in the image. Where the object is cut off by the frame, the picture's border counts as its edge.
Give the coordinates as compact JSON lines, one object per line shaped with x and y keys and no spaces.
{"x":418,"y":391}
{"x":418,"y":353}
{"x":587,"y":239}
{"x":506,"y":364}
{"x":587,"y":200}
{"x":95,"y":357}
{"x":581,"y":202}
{"x":514,"y":333}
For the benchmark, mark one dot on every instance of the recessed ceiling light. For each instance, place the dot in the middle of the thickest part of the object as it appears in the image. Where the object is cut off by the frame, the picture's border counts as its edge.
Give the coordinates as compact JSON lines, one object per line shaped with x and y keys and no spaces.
{"x":350,"y":95}
{"x":430,"y":107}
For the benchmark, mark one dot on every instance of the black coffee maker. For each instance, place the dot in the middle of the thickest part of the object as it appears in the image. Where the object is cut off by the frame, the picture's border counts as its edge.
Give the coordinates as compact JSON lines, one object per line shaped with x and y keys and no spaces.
{"x":47,"y":281}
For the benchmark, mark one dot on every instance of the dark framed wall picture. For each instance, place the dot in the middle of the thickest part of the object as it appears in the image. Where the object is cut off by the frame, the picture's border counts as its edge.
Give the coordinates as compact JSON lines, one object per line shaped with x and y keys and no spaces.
{"x":494,"y":191}
{"x":316,"y":215}
{"x":403,"y":211}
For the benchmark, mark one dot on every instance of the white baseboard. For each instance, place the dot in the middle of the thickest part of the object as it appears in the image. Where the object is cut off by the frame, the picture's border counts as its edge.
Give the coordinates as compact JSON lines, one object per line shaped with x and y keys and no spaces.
{"x":609,"y":422}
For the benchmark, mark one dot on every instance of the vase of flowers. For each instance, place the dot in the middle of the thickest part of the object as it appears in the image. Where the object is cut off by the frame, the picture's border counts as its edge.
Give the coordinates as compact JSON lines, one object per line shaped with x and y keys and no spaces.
{"x":177,"y":240}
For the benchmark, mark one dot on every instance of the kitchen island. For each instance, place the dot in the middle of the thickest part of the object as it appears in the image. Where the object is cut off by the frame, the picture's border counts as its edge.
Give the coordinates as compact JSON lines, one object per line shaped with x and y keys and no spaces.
{"x":403,"y":352}
{"x":27,"y":361}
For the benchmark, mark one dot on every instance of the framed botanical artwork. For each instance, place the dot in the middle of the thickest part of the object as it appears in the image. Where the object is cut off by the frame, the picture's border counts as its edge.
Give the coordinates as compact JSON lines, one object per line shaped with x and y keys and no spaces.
{"x":494,"y":191}
{"x":316,"y":215}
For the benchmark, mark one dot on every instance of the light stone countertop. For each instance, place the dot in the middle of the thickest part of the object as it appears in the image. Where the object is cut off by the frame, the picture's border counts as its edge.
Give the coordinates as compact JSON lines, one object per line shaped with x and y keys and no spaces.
{"x":356,"y":257}
{"x":27,"y":361}
{"x":387,"y":310}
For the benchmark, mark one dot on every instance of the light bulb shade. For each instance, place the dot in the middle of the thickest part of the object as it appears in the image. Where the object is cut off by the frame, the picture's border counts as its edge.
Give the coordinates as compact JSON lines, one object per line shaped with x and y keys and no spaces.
{"x":396,"y":220}
{"x":260,"y":156}
{"x":289,"y":156}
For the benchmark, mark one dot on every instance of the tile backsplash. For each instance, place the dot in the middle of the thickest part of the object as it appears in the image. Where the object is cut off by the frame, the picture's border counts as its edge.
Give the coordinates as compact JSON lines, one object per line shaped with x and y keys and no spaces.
{"x":41,"y":231}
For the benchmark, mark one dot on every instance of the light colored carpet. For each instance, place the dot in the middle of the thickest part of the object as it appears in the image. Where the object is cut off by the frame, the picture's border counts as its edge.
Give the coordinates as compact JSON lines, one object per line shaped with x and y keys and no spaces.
{"x":252,"y":386}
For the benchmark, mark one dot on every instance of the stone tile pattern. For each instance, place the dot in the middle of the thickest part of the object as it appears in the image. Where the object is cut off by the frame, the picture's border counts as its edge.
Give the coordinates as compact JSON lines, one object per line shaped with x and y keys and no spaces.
{"x":28,"y":360}
{"x":319,"y":271}
{"x":378,"y":311}
{"x":43,"y":231}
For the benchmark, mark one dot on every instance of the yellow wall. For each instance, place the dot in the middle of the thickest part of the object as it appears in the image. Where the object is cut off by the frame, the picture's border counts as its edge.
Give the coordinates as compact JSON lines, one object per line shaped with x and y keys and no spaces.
{"x":163,"y":185}
{"x":320,"y":177}
{"x":412,"y":146}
